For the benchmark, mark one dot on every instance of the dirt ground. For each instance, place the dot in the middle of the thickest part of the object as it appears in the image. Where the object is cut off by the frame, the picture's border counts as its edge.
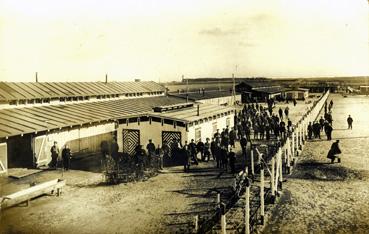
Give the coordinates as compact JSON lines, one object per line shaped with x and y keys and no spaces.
{"x":163,"y":204}
{"x":320,"y":197}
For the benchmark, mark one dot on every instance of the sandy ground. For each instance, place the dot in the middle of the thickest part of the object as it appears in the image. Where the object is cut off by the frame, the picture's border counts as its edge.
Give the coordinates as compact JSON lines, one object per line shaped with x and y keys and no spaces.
{"x":163,"y":204}
{"x":320,"y":197}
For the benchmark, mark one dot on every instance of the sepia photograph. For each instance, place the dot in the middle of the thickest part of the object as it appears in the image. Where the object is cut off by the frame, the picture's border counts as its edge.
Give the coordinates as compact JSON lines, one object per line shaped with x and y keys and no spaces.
{"x":184,"y":117}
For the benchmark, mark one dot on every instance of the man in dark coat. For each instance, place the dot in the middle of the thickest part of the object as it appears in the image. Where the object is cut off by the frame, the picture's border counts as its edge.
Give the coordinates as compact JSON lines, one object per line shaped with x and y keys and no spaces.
{"x":114,"y":150}
{"x":207,"y":150}
{"x":349,"y":122}
{"x":328,"y":130}
{"x":218,"y":155}
{"x":213,"y":145}
{"x":186,"y":157}
{"x":243,"y":143}
{"x":192,"y":147}
{"x":66,"y":156}
{"x":280,"y":111}
{"x":200,"y":149}
{"x":232,"y":160}
{"x":224,"y":158}
{"x":310,"y":130}
{"x":54,"y":155}
{"x":232,"y":137}
{"x":335,"y":149}
{"x":139,"y":157}
{"x":286,"y":111}
{"x":150,"y":147}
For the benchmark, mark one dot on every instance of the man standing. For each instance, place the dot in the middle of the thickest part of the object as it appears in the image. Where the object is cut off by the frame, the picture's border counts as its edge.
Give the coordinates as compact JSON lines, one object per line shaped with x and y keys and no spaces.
{"x":280,"y":111}
{"x":66,"y":156}
{"x":54,"y":155}
{"x":328,"y":130}
{"x":207,"y":150}
{"x":232,"y":160}
{"x":114,"y":151}
{"x":200,"y":149}
{"x":150,"y":147}
{"x":310,"y":130}
{"x":286,"y":111}
{"x":213,"y":146}
{"x":349,"y":122}
{"x":192,"y":147}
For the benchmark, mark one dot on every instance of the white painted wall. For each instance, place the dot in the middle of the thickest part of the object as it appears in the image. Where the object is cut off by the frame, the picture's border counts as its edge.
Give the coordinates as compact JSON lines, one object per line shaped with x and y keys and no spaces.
{"x":62,"y":137}
{"x":149,"y":131}
{"x":207,"y":127}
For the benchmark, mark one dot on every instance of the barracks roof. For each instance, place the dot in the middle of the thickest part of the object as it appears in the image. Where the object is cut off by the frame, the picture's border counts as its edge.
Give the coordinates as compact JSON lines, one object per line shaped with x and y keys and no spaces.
{"x":25,"y":120}
{"x":190,"y":114}
{"x":35,"y":90}
{"x":207,"y":94}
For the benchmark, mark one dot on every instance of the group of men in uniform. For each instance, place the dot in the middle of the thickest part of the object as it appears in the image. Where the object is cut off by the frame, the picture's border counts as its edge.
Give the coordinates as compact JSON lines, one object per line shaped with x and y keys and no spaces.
{"x":65,"y":159}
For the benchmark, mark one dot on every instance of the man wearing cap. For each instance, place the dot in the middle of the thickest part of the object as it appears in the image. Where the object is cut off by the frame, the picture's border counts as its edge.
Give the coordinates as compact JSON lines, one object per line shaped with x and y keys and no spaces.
{"x":54,"y":155}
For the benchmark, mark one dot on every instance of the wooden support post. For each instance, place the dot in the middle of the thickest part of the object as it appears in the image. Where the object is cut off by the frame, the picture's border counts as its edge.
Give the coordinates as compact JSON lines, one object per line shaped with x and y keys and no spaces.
{"x":252,"y":161}
{"x":247,"y":207}
{"x":223,"y":222}
{"x":293,"y":145}
{"x":280,"y":170}
{"x":196,"y":223}
{"x":218,"y":200}
{"x":272,"y":185}
{"x":288,"y":156}
{"x":262,"y":208}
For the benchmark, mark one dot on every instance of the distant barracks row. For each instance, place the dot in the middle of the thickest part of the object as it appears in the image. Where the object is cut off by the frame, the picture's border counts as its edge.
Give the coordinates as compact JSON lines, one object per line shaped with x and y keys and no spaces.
{"x":130,"y":112}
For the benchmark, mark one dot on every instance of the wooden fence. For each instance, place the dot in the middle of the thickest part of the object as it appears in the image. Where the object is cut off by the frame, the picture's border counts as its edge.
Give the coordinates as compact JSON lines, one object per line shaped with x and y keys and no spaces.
{"x":266,"y":176}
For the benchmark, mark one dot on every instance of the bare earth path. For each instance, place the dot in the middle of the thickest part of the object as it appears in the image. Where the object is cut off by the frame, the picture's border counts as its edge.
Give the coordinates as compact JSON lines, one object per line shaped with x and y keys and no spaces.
{"x":330,"y":198}
{"x":166,"y":203}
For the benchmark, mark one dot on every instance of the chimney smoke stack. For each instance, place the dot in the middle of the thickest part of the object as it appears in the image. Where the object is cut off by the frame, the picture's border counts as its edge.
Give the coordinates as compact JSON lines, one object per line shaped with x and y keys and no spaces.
{"x":36,"y":78}
{"x":106,"y":78}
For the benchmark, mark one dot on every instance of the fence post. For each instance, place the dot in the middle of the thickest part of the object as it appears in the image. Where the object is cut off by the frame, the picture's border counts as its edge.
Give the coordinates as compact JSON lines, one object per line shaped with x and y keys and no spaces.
{"x":247,"y":207}
{"x":272,"y":185}
{"x":252,"y":161}
{"x":223,"y":222}
{"x":262,"y":193}
{"x":196,"y":223}
{"x":288,"y":156}
{"x":280,"y":170}
{"x":293,"y":144}
{"x":218,"y":201}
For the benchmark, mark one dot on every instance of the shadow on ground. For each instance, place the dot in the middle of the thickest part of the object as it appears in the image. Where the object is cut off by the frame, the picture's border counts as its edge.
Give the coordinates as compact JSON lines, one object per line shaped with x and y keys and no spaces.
{"x":315,"y":170}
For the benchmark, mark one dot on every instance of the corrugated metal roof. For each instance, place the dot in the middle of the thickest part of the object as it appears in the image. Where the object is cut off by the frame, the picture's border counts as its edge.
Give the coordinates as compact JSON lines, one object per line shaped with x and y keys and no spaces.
{"x":33,"y":90}
{"x":203,"y":95}
{"x":190,"y":114}
{"x":19,"y":121}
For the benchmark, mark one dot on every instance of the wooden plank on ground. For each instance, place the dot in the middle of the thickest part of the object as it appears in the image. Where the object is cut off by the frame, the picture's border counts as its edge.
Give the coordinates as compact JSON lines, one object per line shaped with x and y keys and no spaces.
{"x":18,"y":173}
{"x":32,"y":192}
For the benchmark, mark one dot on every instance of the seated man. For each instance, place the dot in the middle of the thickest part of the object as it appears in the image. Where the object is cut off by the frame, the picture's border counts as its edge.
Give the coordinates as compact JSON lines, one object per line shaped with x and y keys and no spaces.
{"x":335,"y":149}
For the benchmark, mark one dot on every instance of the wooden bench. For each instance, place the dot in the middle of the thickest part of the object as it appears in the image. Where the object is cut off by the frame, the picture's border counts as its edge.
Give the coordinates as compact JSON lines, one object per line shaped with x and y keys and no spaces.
{"x":52,"y":186}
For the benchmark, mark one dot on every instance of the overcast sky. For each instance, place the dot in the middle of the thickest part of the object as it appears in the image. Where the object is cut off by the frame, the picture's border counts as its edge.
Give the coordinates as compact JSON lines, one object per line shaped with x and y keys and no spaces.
{"x":81,"y":40}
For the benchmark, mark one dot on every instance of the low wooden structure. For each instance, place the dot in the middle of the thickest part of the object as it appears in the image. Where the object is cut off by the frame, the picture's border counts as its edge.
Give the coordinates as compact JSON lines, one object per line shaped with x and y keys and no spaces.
{"x":52,"y":186}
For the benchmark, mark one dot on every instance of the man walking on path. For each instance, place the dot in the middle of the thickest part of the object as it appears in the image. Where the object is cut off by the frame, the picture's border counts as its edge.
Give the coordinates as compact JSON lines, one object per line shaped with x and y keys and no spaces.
{"x":349,"y":122}
{"x":335,"y":149}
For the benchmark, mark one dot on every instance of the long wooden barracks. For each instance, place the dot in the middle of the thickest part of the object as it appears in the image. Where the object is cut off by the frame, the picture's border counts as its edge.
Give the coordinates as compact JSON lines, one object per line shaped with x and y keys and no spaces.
{"x":83,"y":114}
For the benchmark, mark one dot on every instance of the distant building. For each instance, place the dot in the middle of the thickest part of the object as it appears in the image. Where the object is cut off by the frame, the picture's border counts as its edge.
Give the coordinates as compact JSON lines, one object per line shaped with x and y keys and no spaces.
{"x":210,"y":97}
{"x":364,"y":89}
{"x":259,"y":90}
{"x":296,"y":93}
